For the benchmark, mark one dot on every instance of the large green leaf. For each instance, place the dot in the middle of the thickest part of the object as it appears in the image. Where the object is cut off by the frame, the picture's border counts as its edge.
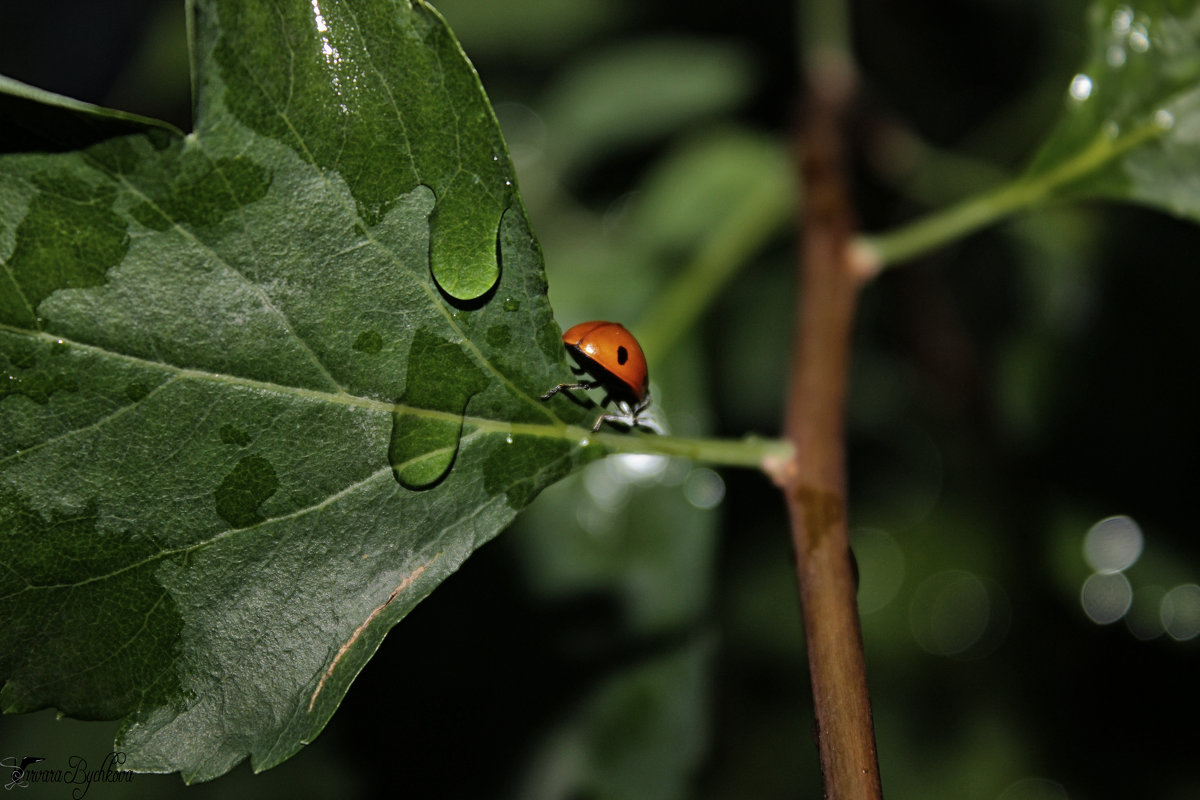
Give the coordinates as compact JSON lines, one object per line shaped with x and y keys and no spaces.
{"x":1131,"y":130}
{"x":266,"y":384}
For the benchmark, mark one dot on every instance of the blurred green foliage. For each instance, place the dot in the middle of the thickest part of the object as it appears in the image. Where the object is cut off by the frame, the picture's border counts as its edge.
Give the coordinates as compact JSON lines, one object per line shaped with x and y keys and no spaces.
{"x":629,"y":639}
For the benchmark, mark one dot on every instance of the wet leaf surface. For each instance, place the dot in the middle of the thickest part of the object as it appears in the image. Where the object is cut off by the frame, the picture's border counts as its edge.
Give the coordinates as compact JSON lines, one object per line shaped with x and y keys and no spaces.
{"x":265,"y":384}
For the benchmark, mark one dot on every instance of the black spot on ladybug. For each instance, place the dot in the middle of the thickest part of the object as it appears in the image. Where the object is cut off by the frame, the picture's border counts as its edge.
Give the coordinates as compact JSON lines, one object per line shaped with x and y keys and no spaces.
{"x":622,"y":355}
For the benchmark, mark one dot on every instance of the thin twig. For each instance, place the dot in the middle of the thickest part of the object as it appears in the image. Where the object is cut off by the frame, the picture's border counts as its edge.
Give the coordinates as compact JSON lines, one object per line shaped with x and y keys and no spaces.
{"x":815,"y":481}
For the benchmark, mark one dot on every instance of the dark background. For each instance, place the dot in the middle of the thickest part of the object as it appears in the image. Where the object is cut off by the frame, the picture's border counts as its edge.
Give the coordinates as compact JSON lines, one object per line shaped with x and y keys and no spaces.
{"x":1010,"y":390}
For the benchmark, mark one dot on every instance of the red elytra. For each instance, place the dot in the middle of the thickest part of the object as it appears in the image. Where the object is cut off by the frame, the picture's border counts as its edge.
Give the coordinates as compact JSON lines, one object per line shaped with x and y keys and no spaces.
{"x":612,"y":356}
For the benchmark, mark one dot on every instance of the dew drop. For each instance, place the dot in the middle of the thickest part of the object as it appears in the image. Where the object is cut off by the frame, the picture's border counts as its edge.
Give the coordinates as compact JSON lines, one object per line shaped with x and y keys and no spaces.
{"x":584,"y":442}
{"x":508,"y":439}
{"x":512,"y":304}
{"x":1081,"y":87}
{"x":1164,"y":119}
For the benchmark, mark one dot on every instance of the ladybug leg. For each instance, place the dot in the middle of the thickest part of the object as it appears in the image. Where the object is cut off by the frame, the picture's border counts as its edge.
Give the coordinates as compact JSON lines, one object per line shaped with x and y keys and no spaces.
{"x":607,"y":417}
{"x":629,"y":417}
{"x":567,"y":386}
{"x":645,"y":424}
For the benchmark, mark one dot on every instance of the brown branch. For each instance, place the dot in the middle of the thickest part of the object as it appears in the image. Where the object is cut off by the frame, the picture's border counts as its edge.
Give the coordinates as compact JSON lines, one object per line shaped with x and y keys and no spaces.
{"x":815,"y":482}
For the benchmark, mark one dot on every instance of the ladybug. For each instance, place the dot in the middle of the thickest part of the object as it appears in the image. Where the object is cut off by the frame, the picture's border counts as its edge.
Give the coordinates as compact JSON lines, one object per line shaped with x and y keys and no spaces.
{"x":608,"y":352}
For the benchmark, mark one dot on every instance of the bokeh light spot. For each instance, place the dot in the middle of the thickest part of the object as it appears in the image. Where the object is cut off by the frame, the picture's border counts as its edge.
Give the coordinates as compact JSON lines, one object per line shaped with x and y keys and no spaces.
{"x":1113,"y":544}
{"x":1144,"y":618}
{"x":704,"y":488}
{"x":954,"y":613}
{"x":1106,"y":597}
{"x":1181,"y":612}
{"x":1081,"y":87}
{"x":1034,"y":789}
{"x":880,"y":567}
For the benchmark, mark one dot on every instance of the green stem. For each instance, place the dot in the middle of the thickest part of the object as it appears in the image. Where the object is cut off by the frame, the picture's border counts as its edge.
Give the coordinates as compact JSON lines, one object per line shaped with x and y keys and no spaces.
{"x":750,"y":452}
{"x":717,"y":259}
{"x":952,"y":223}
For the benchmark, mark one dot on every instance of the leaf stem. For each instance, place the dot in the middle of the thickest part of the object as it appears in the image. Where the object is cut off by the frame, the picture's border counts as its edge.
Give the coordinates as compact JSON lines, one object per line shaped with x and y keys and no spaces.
{"x":716,"y":259}
{"x":750,"y":452}
{"x":944,"y":226}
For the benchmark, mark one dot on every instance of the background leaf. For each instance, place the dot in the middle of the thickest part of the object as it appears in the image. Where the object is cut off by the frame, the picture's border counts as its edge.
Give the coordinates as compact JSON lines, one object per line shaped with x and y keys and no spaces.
{"x":267,"y":384}
{"x":1132,"y":125}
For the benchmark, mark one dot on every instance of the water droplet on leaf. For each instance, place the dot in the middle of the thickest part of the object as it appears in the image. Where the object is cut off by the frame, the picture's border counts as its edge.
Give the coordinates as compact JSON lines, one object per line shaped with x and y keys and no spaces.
{"x":250,"y":483}
{"x":463,"y":251}
{"x":368,"y":342}
{"x":441,"y":379}
{"x":422,"y":449}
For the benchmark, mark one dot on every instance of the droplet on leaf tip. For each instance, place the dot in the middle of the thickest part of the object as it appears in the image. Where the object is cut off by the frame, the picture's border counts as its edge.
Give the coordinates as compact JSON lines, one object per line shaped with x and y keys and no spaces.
{"x":422,"y":449}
